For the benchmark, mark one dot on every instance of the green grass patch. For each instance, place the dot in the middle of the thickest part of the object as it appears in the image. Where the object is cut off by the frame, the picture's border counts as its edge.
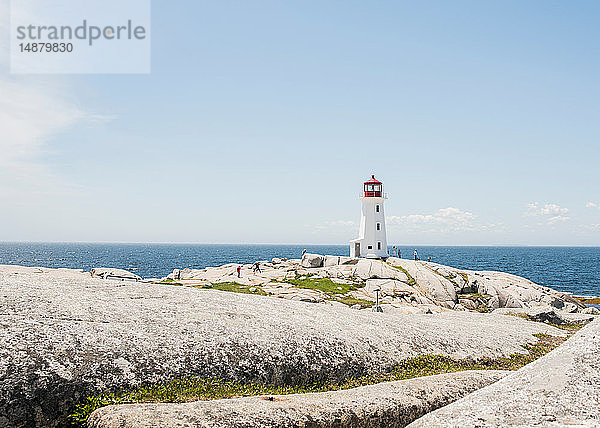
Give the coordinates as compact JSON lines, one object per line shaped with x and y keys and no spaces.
{"x":569,"y":326}
{"x":411,"y":281}
{"x":595,"y":301}
{"x":192,"y":389}
{"x":465,"y":277}
{"x":351,"y":301}
{"x":333,"y":291}
{"x":233,"y":287}
{"x":325,"y":285}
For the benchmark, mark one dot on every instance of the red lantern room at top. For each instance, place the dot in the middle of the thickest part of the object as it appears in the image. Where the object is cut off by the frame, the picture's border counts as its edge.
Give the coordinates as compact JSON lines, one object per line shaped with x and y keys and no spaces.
{"x":373,"y":188}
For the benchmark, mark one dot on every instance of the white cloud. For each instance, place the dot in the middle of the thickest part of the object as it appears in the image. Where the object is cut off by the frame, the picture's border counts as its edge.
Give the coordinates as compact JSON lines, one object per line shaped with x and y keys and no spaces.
{"x":534,"y":209}
{"x":557,"y":219}
{"x":443,"y":220}
{"x":592,"y":205}
{"x":550,"y":214}
{"x":33,"y":111}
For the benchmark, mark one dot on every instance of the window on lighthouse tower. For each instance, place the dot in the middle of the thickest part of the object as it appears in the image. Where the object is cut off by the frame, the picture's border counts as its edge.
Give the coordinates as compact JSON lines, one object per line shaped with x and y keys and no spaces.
{"x":378,"y":226}
{"x":376,"y":208}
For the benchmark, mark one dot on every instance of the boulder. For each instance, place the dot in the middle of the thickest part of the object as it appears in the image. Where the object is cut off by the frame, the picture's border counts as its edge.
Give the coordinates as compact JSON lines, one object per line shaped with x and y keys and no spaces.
{"x":514,"y":291}
{"x":545,"y":314}
{"x":312,"y":260}
{"x":377,"y":269}
{"x":591,"y":310}
{"x":430,"y":283}
{"x":569,"y":307}
{"x":331,"y":261}
{"x":112,"y":273}
{"x":388,"y":404}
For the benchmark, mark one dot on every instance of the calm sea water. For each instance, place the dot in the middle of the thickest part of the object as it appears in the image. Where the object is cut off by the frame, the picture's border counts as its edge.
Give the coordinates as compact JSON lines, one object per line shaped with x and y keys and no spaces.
{"x":572,"y":269}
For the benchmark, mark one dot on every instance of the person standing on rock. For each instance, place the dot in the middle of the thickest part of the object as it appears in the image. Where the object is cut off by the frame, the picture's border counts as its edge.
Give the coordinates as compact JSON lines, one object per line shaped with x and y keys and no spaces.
{"x":416,"y":255}
{"x":239,"y":271}
{"x":394,"y":251}
{"x":256,"y":268}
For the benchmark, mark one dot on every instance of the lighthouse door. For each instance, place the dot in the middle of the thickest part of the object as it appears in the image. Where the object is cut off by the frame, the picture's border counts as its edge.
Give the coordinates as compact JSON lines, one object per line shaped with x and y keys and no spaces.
{"x":357,"y":249}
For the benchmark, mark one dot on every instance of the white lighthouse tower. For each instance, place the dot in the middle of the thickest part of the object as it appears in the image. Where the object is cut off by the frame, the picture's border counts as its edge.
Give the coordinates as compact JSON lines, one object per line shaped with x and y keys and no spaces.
{"x":371,"y":241}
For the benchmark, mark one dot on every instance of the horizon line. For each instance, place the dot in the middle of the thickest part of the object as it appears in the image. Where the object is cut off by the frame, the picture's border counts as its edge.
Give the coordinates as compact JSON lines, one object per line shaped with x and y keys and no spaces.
{"x":293,"y":244}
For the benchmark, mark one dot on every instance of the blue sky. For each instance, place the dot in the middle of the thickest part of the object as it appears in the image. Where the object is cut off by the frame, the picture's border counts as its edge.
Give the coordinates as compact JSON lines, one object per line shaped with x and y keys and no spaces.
{"x":260,"y":120}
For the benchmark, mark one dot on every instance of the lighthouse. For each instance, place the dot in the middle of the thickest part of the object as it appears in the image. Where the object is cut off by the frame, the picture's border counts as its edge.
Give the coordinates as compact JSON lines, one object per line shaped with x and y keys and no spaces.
{"x":371,"y":241}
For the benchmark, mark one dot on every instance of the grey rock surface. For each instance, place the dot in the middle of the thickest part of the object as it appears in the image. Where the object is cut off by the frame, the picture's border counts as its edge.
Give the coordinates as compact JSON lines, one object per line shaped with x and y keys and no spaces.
{"x":376,"y":269}
{"x":389,"y":404}
{"x":312,"y":260}
{"x":433,"y":285}
{"x":558,"y":390}
{"x":65,"y":335}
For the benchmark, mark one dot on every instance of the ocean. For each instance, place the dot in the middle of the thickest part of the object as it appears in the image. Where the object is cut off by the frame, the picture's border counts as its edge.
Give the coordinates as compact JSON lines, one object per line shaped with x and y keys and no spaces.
{"x":571,"y":269}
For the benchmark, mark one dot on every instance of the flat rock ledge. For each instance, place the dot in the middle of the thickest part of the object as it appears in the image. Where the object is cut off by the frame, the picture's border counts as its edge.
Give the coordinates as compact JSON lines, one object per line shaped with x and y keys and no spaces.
{"x":558,"y":390}
{"x":388,"y":404}
{"x":65,"y":336}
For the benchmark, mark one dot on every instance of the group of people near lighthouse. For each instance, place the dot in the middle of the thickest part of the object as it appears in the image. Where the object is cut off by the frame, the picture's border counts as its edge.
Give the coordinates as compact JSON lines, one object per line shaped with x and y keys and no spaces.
{"x":397,"y":253}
